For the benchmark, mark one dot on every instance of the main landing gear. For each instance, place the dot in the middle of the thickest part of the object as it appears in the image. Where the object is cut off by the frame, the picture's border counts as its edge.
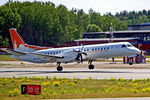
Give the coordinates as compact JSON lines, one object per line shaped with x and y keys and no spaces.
{"x":91,"y":66}
{"x":59,"y":68}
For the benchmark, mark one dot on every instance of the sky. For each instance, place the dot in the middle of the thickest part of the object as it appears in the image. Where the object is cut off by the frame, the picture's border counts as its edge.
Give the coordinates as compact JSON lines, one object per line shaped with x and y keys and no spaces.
{"x":101,"y":6}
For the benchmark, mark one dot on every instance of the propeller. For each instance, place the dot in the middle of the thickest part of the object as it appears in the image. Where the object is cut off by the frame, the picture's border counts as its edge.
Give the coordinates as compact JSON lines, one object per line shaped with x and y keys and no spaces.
{"x":79,"y":57}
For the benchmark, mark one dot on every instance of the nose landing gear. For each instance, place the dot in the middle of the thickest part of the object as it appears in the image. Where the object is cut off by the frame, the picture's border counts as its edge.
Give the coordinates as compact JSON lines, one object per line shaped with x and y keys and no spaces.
{"x":130,"y":61}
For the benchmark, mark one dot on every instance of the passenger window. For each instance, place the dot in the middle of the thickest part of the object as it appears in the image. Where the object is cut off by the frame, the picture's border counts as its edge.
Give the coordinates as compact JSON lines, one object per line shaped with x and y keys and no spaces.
{"x":123,"y":46}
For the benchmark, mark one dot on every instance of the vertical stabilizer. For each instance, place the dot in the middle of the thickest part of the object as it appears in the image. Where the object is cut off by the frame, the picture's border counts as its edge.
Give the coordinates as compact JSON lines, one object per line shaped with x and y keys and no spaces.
{"x":19,"y":45}
{"x":16,"y":39}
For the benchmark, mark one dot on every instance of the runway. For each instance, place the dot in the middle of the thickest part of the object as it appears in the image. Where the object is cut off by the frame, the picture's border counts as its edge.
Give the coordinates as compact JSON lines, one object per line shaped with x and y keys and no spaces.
{"x":104,"y":70}
{"x":74,"y":73}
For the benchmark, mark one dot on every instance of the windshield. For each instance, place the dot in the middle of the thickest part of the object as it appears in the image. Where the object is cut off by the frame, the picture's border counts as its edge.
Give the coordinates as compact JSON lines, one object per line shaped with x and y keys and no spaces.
{"x":129,"y":45}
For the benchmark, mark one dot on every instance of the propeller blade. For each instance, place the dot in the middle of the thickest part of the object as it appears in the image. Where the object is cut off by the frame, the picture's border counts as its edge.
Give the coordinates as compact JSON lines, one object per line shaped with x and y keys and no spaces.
{"x":81,"y":58}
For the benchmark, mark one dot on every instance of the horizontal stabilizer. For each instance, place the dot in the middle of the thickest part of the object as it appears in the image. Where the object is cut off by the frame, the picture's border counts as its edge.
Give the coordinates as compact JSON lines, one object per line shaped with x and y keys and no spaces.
{"x":10,"y":51}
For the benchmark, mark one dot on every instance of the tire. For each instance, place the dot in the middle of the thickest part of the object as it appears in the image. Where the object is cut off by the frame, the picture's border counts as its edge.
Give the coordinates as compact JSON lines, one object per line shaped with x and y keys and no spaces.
{"x":91,"y":66}
{"x":130,"y":63}
{"x":59,"y":68}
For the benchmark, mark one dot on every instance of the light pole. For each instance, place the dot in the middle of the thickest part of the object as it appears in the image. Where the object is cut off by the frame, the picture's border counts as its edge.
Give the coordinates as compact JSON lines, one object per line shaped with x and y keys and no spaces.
{"x":111,"y":36}
{"x":111,"y":32}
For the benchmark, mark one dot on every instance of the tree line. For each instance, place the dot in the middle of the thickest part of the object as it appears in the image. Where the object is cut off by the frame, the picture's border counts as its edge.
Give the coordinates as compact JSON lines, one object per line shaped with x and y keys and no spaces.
{"x":43,"y":23}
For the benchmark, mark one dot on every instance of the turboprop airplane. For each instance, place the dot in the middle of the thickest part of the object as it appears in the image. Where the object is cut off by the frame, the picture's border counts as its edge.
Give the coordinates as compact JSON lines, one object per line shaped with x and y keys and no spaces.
{"x":37,"y":54}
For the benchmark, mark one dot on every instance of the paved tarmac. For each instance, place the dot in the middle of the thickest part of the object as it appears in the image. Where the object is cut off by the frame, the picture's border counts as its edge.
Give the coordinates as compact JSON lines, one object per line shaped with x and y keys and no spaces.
{"x":104,"y":70}
{"x":76,"y":73}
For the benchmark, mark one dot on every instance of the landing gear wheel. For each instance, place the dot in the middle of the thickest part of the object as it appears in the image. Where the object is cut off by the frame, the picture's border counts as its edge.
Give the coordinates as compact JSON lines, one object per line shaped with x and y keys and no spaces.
{"x":91,"y":66}
{"x":130,"y":63}
{"x":59,"y":68}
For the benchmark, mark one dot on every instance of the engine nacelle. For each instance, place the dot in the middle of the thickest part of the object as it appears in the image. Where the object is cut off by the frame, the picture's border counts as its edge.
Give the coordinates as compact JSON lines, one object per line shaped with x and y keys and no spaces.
{"x":69,"y":56}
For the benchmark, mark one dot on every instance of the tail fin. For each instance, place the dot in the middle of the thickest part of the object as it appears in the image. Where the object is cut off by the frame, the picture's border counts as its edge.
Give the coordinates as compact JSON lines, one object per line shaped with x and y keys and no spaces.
{"x":16,"y":39}
{"x":19,"y":45}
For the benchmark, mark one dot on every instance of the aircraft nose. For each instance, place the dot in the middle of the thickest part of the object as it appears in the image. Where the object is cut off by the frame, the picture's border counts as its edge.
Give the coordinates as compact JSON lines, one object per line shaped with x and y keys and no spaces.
{"x":137,"y":51}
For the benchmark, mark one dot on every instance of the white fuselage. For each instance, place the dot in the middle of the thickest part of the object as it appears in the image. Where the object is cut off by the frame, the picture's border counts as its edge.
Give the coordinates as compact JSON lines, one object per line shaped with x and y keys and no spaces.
{"x":93,"y":52}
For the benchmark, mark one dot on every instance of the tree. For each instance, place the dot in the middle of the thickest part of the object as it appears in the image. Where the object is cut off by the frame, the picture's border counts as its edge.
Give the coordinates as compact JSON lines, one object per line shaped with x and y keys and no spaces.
{"x":42,"y":23}
{"x":4,"y":42}
{"x":93,"y":28}
{"x":9,"y":18}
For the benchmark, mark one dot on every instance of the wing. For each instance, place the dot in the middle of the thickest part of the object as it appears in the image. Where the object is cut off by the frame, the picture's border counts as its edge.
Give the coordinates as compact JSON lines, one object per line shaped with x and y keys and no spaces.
{"x":48,"y":57}
{"x":10,"y":51}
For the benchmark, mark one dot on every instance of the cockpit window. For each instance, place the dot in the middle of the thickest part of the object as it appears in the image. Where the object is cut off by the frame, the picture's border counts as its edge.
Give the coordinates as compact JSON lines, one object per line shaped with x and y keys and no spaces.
{"x":123,"y":46}
{"x":129,"y":45}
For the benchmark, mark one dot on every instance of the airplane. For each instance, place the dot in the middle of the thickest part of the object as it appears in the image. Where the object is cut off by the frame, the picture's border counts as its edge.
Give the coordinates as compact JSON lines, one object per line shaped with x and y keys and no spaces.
{"x":37,"y":54}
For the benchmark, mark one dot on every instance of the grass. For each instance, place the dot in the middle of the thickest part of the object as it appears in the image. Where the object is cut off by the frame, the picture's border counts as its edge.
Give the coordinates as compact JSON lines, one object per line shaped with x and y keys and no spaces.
{"x":56,"y":88}
{"x":6,"y":58}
